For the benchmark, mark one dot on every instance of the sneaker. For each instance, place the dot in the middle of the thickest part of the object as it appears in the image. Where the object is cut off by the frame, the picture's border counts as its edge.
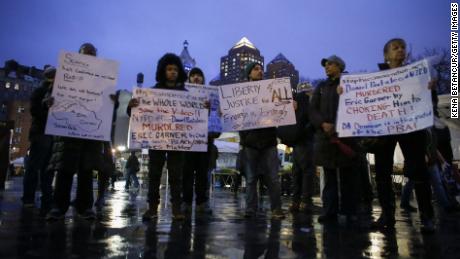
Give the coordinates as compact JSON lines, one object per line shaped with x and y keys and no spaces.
{"x":88,"y":214}
{"x":294,"y":207}
{"x":150,"y":214}
{"x":327,"y":219}
{"x":278,"y":214}
{"x":177,"y":213}
{"x":250,"y":213}
{"x":305,"y":207}
{"x":55,"y":214}
{"x":203,"y":208}
{"x":427,"y":227}
{"x":384,"y":222}
{"x":407,"y":208}
{"x":28,"y":205}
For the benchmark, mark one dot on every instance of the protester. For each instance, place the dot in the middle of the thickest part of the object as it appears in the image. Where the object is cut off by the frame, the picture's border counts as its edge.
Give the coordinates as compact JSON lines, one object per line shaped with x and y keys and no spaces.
{"x":170,"y":75}
{"x":40,"y":147}
{"x":413,"y":146}
{"x":333,"y":154}
{"x":260,"y":159}
{"x":197,"y":166}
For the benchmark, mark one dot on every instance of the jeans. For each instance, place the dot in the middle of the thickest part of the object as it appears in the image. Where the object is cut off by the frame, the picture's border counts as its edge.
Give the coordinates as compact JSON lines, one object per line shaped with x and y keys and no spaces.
{"x":131,"y":174}
{"x":437,"y":185}
{"x":263,"y":163}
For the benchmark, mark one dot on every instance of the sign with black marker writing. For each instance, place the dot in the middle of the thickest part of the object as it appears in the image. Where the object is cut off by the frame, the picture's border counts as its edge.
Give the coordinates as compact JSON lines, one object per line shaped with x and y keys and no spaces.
{"x":82,"y":106}
{"x":212,"y":93}
{"x":389,"y":102}
{"x":256,"y":104}
{"x":169,"y":120}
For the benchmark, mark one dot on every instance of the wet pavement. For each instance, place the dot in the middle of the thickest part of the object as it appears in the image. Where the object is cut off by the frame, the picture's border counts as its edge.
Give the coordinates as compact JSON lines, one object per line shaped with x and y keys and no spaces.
{"x":120,"y":233}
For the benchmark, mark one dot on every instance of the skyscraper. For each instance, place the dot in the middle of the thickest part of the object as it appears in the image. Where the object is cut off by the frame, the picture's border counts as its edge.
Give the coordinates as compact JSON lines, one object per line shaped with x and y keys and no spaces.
{"x":232,"y":66}
{"x":187,"y":60}
{"x":279,"y":67}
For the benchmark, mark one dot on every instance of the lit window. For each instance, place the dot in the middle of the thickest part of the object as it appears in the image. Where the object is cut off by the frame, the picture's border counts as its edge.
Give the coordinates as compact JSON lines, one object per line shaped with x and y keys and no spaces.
{"x":7,"y":85}
{"x":20,"y":109}
{"x":16,"y":86}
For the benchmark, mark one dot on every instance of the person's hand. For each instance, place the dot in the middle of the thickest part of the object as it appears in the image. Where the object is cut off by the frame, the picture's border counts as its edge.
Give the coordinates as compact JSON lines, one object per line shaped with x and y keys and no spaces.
{"x":207,"y":104}
{"x":339,"y":90}
{"x":113,"y":97}
{"x":328,"y":128}
{"x":48,"y":101}
{"x":432,"y":84}
{"x":133,"y":103}
{"x":295,"y":105}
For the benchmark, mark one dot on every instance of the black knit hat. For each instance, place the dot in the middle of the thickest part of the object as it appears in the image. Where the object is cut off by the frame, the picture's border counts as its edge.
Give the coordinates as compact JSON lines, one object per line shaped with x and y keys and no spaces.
{"x":249,"y":67}
{"x":170,"y":59}
{"x":195,"y":71}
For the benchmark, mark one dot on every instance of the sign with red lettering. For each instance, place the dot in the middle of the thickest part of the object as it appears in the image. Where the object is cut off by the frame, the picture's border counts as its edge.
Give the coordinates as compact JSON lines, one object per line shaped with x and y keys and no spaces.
{"x":169,"y":120}
{"x":256,"y":104}
{"x":389,"y":102}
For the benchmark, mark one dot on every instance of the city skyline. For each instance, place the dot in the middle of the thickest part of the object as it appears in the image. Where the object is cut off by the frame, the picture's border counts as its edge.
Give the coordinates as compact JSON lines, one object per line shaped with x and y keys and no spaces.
{"x":137,"y":35}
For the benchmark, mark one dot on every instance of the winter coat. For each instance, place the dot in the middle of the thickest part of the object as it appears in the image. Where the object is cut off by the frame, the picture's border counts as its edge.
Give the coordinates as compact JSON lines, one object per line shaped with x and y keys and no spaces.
{"x":39,"y":110}
{"x":303,"y":131}
{"x":323,"y":108}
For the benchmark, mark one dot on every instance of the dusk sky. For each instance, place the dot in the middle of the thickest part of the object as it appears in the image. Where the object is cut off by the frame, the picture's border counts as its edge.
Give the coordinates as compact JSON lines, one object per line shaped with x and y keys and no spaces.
{"x":138,"y":33}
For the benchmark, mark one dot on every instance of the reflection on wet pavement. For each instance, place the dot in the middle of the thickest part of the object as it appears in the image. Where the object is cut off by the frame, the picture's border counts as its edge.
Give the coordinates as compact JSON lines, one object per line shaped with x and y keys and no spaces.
{"x":120,"y":233}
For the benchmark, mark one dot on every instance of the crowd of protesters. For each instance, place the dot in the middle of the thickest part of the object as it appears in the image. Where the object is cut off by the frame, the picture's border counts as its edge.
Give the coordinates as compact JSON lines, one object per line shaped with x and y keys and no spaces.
{"x":314,"y":140}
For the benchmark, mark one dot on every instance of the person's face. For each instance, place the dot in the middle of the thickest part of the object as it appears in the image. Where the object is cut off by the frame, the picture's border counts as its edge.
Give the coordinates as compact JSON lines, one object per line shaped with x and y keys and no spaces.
{"x":196,"y":79}
{"x":172,"y":72}
{"x":332,"y":69}
{"x":88,"y":50}
{"x":257,"y":73}
{"x":396,"y":52}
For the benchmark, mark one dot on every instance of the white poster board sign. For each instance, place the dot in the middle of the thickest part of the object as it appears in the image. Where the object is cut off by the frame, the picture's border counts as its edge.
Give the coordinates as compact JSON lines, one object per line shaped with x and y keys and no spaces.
{"x":169,"y":120}
{"x":389,"y":102}
{"x":212,"y":93}
{"x":256,"y":104}
{"x":82,"y":106}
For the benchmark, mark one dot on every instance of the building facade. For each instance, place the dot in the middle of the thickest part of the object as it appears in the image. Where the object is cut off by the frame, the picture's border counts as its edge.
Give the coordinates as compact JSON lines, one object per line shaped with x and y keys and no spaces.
{"x":17,"y":82}
{"x":232,"y":65}
{"x":280,"y":67}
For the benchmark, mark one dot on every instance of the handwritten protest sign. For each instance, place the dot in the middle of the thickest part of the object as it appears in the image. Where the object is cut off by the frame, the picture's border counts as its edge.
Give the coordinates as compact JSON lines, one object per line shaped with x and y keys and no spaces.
{"x":212,"y":93}
{"x":82,"y":107}
{"x":390,"y":102}
{"x":256,"y":104}
{"x":169,"y":120}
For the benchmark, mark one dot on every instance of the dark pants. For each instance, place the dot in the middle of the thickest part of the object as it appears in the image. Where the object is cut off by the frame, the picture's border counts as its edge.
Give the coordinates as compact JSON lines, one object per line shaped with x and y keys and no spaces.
{"x":262,"y":163}
{"x":39,"y":155}
{"x":413,"y":146}
{"x":364,"y":182}
{"x":81,"y":156}
{"x":195,"y":171}
{"x":175,"y":164}
{"x":348,"y":191}
{"x":303,"y":169}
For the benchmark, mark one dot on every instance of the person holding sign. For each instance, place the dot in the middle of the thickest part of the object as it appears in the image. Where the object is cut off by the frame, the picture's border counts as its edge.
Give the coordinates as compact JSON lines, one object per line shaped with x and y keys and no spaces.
{"x":40,"y":147}
{"x":196,"y":166}
{"x":333,"y":154}
{"x":72,"y":155}
{"x":259,"y":150}
{"x":413,"y":146}
{"x":170,"y":75}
